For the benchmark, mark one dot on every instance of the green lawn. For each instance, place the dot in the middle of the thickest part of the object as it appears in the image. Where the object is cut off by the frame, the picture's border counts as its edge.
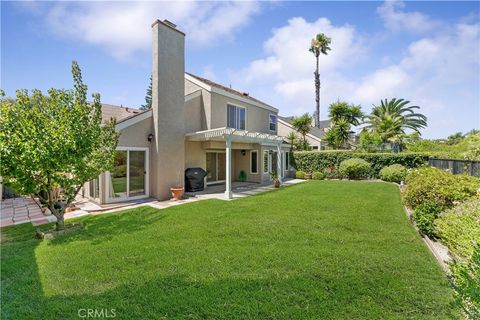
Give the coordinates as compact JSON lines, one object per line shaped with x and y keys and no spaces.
{"x":317,"y":250}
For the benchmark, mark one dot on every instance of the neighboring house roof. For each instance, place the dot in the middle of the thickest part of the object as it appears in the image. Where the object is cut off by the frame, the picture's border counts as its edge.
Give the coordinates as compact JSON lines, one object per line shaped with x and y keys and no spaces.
{"x":119,"y":113}
{"x":241,"y":95}
{"x":314,"y":131}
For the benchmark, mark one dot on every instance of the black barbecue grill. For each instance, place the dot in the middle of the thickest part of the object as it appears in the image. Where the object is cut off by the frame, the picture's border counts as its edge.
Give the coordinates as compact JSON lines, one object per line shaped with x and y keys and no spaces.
{"x":194,"y":179}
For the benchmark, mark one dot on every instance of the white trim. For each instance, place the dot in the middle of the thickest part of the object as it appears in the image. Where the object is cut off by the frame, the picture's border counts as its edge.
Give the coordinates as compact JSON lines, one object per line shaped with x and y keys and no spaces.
{"x":133,"y":120}
{"x":236,"y":115}
{"x":220,"y":134}
{"x":291,"y":127}
{"x":268,"y":162}
{"x":252,"y":151}
{"x":242,"y":99}
{"x":222,"y":92}
{"x":199,"y":83}
{"x":193,"y":95}
{"x":147,"y":176}
{"x":285,"y":157}
{"x":276,"y":122}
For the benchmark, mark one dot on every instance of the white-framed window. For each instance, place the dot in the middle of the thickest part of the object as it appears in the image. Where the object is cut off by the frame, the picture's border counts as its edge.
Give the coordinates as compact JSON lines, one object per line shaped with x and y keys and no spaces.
{"x":253,"y":161}
{"x":272,"y":122}
{"x":266,"y":162}
{"x":286,"y":162}
{"x":236,"y":117}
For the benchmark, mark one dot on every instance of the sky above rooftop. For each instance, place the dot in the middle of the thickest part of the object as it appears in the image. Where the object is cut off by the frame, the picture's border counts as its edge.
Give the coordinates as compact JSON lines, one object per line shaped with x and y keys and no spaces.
{"x":425,"y":52}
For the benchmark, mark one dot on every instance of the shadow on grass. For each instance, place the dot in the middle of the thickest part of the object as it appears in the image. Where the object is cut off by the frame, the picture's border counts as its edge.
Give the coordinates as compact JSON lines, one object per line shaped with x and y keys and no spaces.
{"x":98,"y":229}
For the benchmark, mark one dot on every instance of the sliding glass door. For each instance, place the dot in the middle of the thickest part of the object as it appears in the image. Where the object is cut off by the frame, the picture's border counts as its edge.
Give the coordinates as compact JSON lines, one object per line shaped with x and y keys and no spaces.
{"x":129,"y":177}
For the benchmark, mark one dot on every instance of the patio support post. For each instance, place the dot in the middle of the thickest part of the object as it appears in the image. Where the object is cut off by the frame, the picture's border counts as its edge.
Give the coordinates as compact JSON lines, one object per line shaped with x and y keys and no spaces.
{"x":279,"y":163}
{"x":228,"y":170}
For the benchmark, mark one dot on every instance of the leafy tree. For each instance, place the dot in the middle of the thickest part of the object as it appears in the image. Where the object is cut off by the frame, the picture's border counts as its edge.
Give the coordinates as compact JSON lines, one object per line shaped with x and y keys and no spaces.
{"x":454,"y":138}
{"x":319,"y":45}
{"x":148,"y":98}
{"x":370,"y":141}
{"x":343,"y":116}
{"x":392,"y":118}
{"x":50,"y":145}
{"x":302,"y":126}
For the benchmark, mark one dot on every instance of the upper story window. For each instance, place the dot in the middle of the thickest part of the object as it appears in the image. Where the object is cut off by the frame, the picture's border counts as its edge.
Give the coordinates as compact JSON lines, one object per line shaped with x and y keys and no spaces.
{"x":272,"y":122}
{"x":236,"y":117}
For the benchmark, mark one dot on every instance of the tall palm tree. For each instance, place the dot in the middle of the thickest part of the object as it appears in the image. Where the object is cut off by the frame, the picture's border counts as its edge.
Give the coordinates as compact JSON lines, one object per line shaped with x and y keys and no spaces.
{"x":320,"y":44}
{"x":392,"y":118}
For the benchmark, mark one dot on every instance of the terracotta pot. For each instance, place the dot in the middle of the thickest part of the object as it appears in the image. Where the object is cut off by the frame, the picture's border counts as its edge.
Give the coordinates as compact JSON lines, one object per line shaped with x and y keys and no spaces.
{"x":308,"y":176}
{"x":276,"y":183}
{"x":177,"y":192}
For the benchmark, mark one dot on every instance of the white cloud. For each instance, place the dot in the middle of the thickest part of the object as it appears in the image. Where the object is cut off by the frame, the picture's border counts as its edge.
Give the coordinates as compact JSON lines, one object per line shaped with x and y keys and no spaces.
{"x":123,"y":28}
{"x":438,"y":72}
{"x":289,"y":66}
{"x":396,"y":19}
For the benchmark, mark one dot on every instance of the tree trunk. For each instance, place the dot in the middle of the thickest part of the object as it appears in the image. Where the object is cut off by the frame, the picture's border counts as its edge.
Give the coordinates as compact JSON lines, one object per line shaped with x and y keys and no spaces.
{"x":60,"y":222}
{"x":317,"y":96}
{"x":59,"y":214}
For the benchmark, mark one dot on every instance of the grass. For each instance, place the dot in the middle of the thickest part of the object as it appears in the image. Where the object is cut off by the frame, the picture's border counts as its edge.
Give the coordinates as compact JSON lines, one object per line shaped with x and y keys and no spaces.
{"x":317,"y":250}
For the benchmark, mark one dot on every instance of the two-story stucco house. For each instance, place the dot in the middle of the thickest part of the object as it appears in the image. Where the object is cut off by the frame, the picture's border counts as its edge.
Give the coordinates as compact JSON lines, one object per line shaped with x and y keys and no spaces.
{"x":193,"y":123}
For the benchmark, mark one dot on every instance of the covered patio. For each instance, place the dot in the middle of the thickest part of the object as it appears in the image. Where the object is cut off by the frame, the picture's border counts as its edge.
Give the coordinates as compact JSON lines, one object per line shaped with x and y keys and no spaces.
{"x":239,"y":189}
{"x":231,"y":135}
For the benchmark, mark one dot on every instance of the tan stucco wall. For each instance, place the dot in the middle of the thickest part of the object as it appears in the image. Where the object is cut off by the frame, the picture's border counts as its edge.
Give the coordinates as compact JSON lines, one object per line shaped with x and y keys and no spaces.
{"x":256,"y":118}
{"x":193,"y":115}
{"x":168,"y":106}
{"x":136,"y":135}
{"x":284,"y":130}
{"x":242,"y":162}
{"x":195,"y":155}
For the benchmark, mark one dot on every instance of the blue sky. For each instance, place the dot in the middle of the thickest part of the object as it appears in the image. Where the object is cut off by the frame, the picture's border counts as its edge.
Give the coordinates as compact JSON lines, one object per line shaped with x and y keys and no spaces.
{"x":426,"y":52}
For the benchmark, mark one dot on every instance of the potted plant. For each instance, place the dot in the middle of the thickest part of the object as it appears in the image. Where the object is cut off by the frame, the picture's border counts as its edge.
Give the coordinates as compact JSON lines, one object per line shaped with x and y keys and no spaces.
{"x":177,"y":191}
{"x":276,"y":181}
{"x":308,"y":175}
{"x":243,"y":176}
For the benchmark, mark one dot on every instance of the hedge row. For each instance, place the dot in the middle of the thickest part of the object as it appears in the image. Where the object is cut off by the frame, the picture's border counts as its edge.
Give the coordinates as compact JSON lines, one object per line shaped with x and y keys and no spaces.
{"x":310,"y":161}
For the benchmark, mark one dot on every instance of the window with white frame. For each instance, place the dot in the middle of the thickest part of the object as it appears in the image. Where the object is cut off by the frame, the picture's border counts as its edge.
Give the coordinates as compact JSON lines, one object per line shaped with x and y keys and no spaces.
{"x":236,"y":117}
{"x":272,"y":122}
{"x":265,"y":162}
{"x":287,"y":161}
{"x":253,"y":161}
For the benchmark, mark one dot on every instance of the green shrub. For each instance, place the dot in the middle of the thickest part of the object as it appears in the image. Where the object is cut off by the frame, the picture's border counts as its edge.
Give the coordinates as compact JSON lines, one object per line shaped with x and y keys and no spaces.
{"x":311,"y":161}
{"x":355,"y":168}
{"x":318,"y":175}
{"x":465,"y":276}
{"x":424,"y":217}
{"x":459,"y":227}
{"x":438,"y":187}
{"x":393,"y":173}
{"x":300,"y":174}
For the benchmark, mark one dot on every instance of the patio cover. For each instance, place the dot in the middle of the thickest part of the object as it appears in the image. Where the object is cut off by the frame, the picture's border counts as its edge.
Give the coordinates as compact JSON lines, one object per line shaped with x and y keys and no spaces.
{"x":230,"y":135}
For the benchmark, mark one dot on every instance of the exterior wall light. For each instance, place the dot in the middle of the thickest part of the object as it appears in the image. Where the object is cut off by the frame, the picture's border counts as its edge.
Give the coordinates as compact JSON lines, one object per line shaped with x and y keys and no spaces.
{"x":150,"y":137}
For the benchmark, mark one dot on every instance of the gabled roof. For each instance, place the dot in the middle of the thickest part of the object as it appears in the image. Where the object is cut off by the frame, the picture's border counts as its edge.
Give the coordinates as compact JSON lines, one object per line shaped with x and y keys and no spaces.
{"x":222,"y":89}
{"x":119,"y":113}
{"x":319,"y":133}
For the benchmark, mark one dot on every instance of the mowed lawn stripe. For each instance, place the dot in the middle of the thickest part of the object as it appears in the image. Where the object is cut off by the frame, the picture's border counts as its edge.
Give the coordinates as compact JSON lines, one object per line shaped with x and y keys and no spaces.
{"x":316,"y":250}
